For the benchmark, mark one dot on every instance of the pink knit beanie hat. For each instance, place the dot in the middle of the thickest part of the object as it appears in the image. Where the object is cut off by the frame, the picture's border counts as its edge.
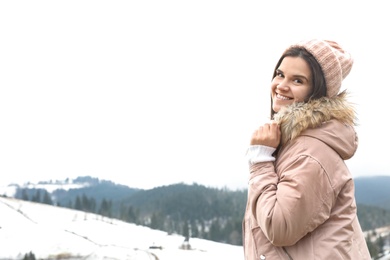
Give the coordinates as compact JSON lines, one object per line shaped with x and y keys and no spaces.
{"x":335,"y":62}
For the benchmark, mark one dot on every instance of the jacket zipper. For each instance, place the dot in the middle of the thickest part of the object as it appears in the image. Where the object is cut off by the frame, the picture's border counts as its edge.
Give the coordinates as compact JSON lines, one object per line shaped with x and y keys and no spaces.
{"x":289,"y":257}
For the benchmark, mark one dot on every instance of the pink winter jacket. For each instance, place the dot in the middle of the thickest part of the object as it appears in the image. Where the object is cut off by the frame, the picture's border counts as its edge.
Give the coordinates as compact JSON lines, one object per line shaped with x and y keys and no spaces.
{"x":302,"y":205}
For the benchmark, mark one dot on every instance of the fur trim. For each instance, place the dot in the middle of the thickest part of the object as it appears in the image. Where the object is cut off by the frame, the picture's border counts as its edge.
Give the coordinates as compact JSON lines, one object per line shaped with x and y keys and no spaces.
{"x":300,"y":116}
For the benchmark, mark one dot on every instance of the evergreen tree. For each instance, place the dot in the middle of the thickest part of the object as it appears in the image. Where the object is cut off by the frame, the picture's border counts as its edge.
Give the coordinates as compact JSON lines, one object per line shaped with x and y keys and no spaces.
{"x":105,"y":208}
{"x":47,"y":199}
{"x":157,"y":221}
{"x":380,"y":243}
{"x":186,"y":231}
{"x":78,"y":205}
{"x":84,"y":202}
{"x":194,"y":229}
{"x":92,"y":205}
{"x":372,"y":247}
{"x":25,"y":195}
{"x":215,"y":231}
{"x":131,"y":215}
{"x":37,"y":196}
{"x":29,"y":256}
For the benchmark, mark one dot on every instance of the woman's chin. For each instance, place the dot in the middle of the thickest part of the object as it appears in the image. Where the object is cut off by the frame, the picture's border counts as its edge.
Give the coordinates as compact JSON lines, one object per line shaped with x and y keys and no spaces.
{"x":277,"y":106}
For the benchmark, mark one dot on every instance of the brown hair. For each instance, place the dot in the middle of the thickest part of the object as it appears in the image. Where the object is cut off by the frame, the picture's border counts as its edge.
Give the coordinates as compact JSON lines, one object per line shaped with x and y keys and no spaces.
{"x":317,"y":80}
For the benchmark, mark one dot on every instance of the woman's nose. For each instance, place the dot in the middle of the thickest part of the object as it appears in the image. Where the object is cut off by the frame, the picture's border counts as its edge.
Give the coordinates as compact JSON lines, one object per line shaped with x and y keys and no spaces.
{"x":282,"y":86}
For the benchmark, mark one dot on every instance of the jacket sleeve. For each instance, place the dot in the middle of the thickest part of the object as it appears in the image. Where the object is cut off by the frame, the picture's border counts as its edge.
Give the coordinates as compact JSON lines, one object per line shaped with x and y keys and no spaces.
{"x":288,"y":208}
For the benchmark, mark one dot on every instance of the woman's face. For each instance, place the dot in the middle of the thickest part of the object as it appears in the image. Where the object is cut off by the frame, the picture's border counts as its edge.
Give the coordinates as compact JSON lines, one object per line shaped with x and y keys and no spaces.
{"x":292,"y":83}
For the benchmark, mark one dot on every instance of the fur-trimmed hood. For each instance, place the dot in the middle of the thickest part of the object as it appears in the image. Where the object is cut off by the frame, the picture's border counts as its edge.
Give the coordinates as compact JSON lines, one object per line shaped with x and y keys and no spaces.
{"x":298,"y":117}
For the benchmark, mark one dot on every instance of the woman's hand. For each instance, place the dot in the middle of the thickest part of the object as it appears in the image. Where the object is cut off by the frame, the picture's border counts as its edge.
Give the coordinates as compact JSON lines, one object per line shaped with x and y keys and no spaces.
{"x":268,"y":135}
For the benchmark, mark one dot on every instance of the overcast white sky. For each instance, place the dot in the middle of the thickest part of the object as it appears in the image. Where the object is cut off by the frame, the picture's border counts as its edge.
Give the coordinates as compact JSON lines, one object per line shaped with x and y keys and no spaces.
{"x":150,"y":93}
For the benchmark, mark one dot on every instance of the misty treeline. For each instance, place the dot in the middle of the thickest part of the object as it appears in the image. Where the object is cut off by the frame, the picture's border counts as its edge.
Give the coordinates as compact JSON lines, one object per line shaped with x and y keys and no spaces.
{"x":190,"y":210}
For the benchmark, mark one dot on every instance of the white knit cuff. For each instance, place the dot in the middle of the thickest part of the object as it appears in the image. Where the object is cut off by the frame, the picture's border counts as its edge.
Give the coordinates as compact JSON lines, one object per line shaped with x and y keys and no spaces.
{"x":260,"y":153}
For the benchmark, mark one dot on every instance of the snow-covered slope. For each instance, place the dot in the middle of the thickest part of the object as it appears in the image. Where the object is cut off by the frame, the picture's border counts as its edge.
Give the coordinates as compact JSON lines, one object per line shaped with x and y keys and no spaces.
{"x":54,"y":232}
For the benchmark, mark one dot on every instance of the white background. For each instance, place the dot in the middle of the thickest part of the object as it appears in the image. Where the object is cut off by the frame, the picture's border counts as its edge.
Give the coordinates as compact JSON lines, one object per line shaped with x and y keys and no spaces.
{"x":150,"y":93}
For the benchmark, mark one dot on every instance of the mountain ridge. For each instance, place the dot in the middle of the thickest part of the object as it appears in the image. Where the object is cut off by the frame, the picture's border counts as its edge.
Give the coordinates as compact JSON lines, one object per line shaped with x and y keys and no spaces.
{"x":369,"y":190}
{"x":206,"y":212}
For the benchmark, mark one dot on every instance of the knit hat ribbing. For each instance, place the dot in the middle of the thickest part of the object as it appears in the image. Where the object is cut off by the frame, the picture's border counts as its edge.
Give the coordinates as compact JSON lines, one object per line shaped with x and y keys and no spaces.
{"x":335,"y":62}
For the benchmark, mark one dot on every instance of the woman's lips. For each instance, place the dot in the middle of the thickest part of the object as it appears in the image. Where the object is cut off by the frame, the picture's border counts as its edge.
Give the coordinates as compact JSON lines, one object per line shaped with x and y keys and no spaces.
{"x":278,"y":96}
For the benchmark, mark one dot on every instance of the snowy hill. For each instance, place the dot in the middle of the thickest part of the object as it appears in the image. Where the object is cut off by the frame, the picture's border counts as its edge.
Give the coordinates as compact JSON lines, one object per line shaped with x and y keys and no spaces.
{"x":59,"y":233}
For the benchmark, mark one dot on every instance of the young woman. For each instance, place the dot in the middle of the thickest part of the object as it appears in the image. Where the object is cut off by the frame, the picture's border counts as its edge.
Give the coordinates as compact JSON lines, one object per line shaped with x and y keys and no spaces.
{"x":301,"y":202}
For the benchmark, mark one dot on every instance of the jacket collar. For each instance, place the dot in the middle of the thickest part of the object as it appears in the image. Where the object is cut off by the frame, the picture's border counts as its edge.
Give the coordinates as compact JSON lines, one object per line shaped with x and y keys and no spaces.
{"x":297,"y":117}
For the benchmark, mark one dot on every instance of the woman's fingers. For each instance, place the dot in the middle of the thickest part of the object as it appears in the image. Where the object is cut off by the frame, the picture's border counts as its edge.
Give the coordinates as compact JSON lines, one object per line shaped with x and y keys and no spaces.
{"x":267,"y":134}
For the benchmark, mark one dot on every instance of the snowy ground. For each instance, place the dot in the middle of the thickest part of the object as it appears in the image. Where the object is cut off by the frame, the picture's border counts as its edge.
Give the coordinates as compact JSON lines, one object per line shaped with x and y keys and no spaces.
{"x":53,"y":232}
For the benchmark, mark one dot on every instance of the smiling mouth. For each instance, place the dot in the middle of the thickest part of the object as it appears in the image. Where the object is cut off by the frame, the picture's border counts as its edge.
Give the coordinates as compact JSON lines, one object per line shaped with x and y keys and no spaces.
{"x":278,"y":96}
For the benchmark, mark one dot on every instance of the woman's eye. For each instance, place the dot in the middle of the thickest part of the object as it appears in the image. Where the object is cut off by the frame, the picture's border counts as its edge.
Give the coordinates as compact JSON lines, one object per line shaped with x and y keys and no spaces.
{"x":279,"y":74}
{"x":298,"y":81}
